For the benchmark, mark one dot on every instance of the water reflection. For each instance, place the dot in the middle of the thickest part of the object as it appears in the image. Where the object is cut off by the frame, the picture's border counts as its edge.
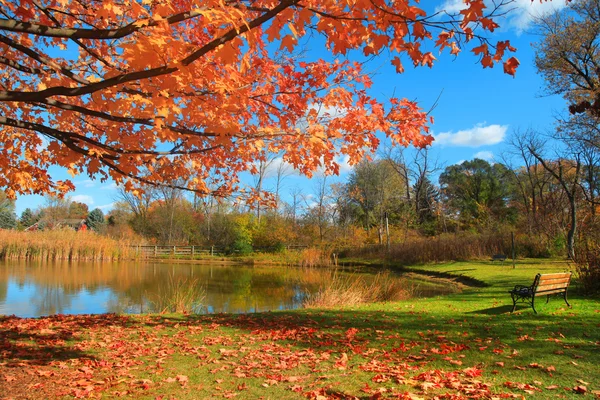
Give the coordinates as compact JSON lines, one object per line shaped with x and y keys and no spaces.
{"x":34,"y":289}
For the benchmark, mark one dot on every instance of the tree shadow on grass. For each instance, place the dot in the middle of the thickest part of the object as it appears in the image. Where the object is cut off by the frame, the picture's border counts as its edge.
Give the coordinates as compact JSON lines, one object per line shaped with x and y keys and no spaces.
{"x":41,"y":341}
{"x":503,"y":309}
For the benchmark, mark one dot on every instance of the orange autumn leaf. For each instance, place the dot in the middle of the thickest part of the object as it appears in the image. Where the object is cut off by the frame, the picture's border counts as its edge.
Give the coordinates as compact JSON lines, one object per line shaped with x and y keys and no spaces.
{"x":151,"y":92}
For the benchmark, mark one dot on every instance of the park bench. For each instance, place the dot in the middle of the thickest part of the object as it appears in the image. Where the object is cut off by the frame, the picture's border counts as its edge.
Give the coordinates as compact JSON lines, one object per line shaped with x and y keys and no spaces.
{"x":498,"y":257}
{"x":543,"y":285}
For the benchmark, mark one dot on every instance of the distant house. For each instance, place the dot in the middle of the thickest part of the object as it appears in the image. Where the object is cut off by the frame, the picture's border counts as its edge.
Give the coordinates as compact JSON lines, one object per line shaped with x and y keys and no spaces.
{"x":77,"y":224}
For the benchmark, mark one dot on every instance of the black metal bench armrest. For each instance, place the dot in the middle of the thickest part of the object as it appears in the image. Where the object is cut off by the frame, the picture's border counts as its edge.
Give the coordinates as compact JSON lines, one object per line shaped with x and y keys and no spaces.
{"x":522,"y":290}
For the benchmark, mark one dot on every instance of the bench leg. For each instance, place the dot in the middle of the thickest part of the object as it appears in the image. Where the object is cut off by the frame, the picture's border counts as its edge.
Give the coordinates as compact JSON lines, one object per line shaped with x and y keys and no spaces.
{"x":565,"y":297}
{"x":547,"y":298}
{"x":533,"y":304}
{"x":514,"y":302}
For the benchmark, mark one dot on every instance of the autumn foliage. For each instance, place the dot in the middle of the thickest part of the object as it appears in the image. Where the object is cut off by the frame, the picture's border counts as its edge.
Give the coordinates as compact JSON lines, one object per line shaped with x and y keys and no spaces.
{"x":153,"y":91}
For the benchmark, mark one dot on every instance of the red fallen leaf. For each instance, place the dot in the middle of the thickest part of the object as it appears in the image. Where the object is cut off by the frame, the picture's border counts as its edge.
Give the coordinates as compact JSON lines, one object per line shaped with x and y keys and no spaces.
{"x":552,"y":387}
{"x":242,"y":386}
{"x":9,"y":378}
{"x":219,"y":381}
{"x":551,"y":368}
{"x":580,"y":389}
{"x":380,"y":378}
{"x":535,"y":365}
{"x":297,"y":388}
{"x":500,"y":363}
{"x":170,"y":380}
{"x":342,"y":362}
{"x":472,"y":372}
{"x":456,"y":362}
{"x":366,"y":389}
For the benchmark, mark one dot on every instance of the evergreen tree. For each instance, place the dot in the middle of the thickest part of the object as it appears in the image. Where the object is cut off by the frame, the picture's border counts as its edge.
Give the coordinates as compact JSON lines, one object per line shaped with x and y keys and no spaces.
{"x":95,"y":219}
{"x":28,"y":218}
{"x":8,"y":219}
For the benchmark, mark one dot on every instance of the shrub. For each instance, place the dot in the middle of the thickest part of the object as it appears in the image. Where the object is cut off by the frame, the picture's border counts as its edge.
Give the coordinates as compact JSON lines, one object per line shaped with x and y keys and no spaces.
{"x":588,"y":269}
{"x":241,"y":247}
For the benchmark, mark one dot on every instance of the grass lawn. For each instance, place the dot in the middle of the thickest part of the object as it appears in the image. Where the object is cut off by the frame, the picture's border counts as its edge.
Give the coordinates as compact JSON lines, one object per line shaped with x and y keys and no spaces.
{"x":464,"y":345}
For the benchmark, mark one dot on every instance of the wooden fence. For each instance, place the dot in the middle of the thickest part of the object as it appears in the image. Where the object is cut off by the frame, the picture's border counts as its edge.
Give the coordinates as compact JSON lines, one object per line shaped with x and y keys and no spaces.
{"x":192,"y":251}
{"x":178,"y":251}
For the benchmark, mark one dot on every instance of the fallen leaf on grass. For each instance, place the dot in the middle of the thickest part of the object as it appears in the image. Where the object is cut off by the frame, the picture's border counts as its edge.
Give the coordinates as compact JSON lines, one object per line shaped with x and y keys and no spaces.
{"x":580,"y":389}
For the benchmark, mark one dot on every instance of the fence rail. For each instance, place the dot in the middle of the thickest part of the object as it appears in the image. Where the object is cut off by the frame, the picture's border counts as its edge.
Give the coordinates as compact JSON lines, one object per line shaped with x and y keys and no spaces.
{"x":193,"y":251}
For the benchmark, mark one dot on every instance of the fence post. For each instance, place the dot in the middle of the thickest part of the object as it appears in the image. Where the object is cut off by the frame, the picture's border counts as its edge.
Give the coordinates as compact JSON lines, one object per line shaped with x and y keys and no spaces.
{"x":212,"y":250}
{"x":174,"y":250}
{"x":193,"y":252}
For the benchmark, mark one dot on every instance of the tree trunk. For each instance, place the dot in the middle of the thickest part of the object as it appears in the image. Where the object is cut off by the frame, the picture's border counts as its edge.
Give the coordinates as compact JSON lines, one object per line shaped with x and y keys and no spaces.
{"x":572,"y":228}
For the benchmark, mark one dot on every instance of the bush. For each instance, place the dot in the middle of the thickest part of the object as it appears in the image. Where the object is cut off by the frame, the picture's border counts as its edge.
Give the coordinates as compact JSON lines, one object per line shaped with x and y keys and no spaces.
{"x":241,"y":247}
{"x":588,"y":270}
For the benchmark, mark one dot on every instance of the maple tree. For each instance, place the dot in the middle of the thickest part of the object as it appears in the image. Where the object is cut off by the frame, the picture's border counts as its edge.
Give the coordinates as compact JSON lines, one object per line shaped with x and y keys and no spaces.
{"x":151,"y":91}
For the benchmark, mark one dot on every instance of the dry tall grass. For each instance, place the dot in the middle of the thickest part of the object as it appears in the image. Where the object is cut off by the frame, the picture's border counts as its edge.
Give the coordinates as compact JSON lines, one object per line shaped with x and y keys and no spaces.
{"x":448,"y":247}
{"x":349,"y":290}
{"x":179,"y":295}
{"x":313,"y":257}
{"x":61,"y":245}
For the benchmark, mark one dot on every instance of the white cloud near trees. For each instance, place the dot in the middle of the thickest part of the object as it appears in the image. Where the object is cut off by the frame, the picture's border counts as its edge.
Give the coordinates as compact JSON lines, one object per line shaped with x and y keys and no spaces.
{"x":522,"y":12}
{"x":484,"y":155}
{"x":479,"y":135}
{"x":83,"y":198}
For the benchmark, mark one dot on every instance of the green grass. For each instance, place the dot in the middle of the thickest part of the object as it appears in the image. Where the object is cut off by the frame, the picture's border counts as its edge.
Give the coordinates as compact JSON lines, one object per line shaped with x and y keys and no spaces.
{"x":466,"y":345}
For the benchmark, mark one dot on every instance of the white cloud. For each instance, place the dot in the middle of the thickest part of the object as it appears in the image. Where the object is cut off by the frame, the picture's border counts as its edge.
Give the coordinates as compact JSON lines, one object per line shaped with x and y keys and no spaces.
{"x":106,"y":206}
{"x":83,"y":198}
{"x":484,"y":155}
{"x":88,"y":183}
{"x":521,"y":15}
{"x":479,"y":135}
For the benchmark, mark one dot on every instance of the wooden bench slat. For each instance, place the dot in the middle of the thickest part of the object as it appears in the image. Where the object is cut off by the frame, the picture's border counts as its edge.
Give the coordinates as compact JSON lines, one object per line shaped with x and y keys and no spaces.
{"x":553,"y":286}
{"x":547,"y":292}
{"x":555,"y":280}
{"x":556,"y":275}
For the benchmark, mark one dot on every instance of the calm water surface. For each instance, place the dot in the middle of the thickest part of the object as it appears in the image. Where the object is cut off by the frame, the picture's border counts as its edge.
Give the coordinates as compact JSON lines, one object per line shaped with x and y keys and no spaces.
{"x":35,"y":289}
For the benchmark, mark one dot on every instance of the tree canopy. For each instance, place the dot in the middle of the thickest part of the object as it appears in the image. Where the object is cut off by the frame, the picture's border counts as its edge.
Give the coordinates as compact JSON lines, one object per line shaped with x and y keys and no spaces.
{"x":151,"y":91}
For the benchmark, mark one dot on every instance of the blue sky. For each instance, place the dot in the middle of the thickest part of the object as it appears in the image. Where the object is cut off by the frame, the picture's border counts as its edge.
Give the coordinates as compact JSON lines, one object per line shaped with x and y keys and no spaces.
{"x":476,"y":112}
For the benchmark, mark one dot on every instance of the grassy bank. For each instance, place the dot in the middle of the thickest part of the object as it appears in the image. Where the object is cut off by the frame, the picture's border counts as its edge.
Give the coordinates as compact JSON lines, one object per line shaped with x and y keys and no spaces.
{"x":61,"y":245}
{"x":464,"y":345}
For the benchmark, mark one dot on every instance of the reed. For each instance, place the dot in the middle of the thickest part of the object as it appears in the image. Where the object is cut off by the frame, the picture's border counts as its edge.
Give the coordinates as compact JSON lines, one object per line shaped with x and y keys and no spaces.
{"x":446,"y":247}
{"x":61,"y":245}
{"x":313,"y":257}
{"x":351,"y":290}
{"x":179,"y":295}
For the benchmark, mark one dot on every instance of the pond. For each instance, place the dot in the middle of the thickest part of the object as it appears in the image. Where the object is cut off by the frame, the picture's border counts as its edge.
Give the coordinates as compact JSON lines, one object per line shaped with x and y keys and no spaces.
{"x":30,"y":289}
